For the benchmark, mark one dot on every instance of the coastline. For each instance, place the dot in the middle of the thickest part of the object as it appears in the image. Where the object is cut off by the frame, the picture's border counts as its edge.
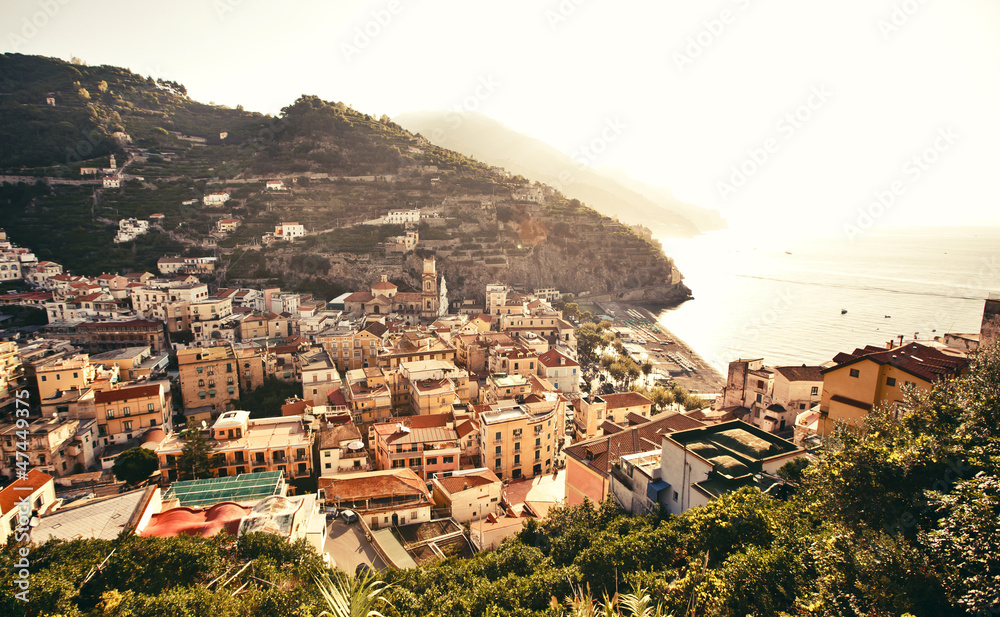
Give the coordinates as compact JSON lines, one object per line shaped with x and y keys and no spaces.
{"x":674,"y":358}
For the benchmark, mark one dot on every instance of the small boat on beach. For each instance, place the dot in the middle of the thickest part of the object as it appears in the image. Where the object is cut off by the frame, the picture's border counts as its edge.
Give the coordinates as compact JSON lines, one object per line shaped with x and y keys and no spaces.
{"x":843,"y":311}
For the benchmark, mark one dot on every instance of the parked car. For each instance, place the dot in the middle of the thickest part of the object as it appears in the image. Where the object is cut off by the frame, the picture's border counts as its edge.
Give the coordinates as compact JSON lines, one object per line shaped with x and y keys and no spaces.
{"x":349,"y":516}
{"x":331,"y":514}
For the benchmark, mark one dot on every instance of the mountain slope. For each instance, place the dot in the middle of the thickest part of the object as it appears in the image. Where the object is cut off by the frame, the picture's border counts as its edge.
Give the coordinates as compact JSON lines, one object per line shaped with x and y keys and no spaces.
{"x":344,"y":169}
{"x":610,"y":193}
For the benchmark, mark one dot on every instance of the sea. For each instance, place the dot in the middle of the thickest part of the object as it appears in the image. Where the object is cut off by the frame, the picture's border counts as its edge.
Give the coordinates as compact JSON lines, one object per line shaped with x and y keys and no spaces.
{"x":801,"y":300}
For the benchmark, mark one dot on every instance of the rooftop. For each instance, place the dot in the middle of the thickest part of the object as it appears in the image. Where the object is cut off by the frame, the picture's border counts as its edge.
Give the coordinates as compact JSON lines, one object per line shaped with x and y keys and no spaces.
{"x":245,"y":487}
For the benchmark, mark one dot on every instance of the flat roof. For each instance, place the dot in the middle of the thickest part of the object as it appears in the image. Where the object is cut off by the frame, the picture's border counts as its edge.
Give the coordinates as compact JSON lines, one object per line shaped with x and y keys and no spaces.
{"x":244,"y":487}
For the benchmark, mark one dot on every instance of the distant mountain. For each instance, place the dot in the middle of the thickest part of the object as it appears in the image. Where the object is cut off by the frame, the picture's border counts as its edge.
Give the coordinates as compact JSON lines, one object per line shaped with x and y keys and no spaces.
{"x":612,"y":193}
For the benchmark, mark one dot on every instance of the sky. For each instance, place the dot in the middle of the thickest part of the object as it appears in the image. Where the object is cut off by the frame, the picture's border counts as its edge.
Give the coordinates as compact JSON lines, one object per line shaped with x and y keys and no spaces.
{"x":792,"y":118}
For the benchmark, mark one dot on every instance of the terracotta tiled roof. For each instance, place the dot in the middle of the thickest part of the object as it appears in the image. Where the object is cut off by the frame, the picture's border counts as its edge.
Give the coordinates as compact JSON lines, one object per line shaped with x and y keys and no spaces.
{"x":801,"y":373}
{"x":551,"y":359}
{"x":919,"y":360}
{"x":13,"y":493}
{"x":603,"y":451}
{"x":384,"y":285}
{"x":374,"y":485}
{"x":122,"y":394}
{"x":359,"y":296}
{"x":625,"y":399}
{"x":454,"y":484}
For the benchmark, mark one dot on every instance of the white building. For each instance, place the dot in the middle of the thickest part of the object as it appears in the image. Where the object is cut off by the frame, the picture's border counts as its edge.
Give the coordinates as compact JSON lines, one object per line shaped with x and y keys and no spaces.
{"x":275,"y":185}
{"x":130,"y":229}
{"x":215,"y":199}
{"x":112,"y":182}
{"x":401,"y":217}
{"x":289,"y":231}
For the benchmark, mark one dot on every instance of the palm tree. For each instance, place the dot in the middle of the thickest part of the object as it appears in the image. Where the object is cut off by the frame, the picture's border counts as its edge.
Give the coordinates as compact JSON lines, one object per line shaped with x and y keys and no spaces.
{"x":351,"y":596}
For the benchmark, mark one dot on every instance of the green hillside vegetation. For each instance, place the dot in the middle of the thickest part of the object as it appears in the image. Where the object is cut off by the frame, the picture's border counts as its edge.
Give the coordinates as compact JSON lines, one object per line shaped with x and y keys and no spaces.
{"x":182,"y":149}
{"x":899,"y":518}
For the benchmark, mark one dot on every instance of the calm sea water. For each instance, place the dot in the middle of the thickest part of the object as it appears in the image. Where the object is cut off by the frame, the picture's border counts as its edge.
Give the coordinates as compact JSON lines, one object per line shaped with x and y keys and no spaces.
{"x":783,"y":300}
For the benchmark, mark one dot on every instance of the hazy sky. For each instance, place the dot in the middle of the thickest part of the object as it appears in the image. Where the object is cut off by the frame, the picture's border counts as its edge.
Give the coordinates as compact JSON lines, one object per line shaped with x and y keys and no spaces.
{"x":791,"y":117}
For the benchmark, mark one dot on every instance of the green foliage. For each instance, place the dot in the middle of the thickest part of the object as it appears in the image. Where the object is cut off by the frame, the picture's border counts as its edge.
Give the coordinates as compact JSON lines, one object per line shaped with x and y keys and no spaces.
{"x":265,"y":400}
{"x":135,"y":465}
{"x":195,"y":458}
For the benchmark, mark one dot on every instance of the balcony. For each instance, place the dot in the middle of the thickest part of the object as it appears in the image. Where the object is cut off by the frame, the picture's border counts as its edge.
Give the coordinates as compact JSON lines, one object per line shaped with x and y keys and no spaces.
{"x":301,"y":458}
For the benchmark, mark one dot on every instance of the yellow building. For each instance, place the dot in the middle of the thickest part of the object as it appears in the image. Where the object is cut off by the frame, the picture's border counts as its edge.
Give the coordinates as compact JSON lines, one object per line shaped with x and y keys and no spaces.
{"x":130,"y":411}
{"x":75,"y":372}
{"x":243,"y":445}
{"x":874,"y":376}
{"x":350,"y":349}
{"x":215,"y":376}
{"x":516,"y":443}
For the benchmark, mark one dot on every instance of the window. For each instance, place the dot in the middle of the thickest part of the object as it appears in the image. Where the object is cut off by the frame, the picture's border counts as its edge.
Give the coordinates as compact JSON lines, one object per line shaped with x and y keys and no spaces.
{"x":675,"y":495}
{"x":517,"y":459}
{"x":497,"y":465}
{"x":414,"y":462}
{"x":432,"y":460}
{"x":517,"y":446}
{"x":760,"y":398}
{"x":448,"y":459}
{"x":890,"y":381}
{"x":201,"y":383}
{"x":814,"y":391}
{"x":150,"y":407}
{"x":538,"y":454}
{"x":499,"y":436}
{"x":126,"y":411}
{"x":111,"y":414}
{"x":855,"y":372}
{"x":500,"y":447}
{"x":127,"y":425}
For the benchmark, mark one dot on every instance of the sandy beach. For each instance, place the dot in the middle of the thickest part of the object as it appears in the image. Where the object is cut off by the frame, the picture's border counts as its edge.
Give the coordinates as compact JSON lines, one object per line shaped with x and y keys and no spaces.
{"x":670,"y":356}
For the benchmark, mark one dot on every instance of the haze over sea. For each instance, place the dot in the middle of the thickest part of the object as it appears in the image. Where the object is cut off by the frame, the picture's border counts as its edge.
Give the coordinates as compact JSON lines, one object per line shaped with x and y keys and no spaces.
{"x":783,"y":300}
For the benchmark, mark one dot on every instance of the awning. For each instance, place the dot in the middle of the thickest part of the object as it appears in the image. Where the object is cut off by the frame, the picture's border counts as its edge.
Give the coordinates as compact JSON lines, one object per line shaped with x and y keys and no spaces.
{"x":654,"y":488}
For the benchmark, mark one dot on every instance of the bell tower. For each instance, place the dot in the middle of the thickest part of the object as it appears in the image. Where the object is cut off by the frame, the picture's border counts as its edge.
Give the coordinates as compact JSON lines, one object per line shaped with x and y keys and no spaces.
{"x":430,"y":299}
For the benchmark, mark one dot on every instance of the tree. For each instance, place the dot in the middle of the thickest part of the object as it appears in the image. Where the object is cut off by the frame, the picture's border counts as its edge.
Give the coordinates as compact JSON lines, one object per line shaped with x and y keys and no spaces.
{"x":195,"y":459}
{"x":135,"y":465}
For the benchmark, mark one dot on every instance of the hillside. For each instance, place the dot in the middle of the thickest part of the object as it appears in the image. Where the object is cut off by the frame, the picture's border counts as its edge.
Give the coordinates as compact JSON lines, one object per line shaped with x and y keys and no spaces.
{"x":343,"y":168}
{"x":611,"y":193}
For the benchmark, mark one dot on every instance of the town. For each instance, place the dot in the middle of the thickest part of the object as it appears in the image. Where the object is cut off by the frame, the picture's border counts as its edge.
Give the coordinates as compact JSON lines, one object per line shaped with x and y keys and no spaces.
{"x":419,"y":428}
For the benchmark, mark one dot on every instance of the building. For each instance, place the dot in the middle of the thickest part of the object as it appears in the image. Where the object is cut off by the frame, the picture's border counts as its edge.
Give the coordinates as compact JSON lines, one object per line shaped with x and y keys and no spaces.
{"x":36,"y":492}
{"x":339,"y":448}
{"x":289,"y":231}
{"x":401,"y":217}
{"x":560,"y":370}
{"x":224,"y":226}
{"x":58,"y":446}
{"x":700,"y":464}
{"x":319,"y":375}
{"x":387,"y":498}
{"x":467,"y":495}
{"x":275,"y":185}
{"x":74,"y":372}
{"x":216,"y":376}
{"x":796,"y":389}
{"x":517,"y":442}
{"x":875,"y":376}
{"x":101,"y":336}
{"x":243,"y":445}
{"x":427,"y":445}
{"x":215,"y":199}
{"x":111,"y":182}
{"x":130,"y":411}
{"x":592,"y":411}
{"x":130,"y":229}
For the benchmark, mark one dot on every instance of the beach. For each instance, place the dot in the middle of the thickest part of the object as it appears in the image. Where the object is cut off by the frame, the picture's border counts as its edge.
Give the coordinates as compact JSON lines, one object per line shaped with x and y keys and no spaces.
{"x":670,"y":356}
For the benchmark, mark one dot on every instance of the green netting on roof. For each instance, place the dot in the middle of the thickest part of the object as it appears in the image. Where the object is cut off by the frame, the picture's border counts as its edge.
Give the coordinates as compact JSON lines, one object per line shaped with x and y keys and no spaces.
{"x":729,"y":466}
{"x":745,"y":443}
{"x":702,"y":449}
{"x":244,"y":487}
